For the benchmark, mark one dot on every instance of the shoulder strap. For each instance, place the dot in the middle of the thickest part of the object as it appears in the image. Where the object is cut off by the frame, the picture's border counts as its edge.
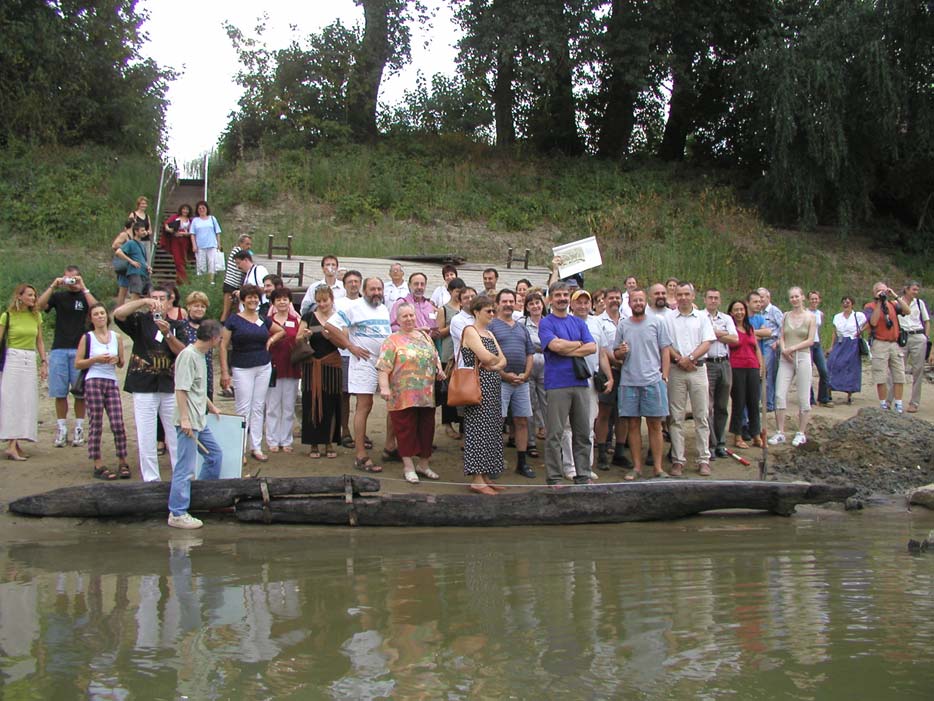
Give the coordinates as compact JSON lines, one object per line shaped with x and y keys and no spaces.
{"x":87,"y":345}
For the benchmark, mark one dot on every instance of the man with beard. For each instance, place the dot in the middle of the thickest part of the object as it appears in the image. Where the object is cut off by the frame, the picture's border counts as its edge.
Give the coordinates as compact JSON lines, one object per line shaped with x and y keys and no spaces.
{"x":658,"y":294}
{"x":641,"y":347}
{"x":691,"y":335}
{"x":607,"y":404}
{"x":565,"y":337}
{"x":352,"y":281}
{"x":367,"y":326}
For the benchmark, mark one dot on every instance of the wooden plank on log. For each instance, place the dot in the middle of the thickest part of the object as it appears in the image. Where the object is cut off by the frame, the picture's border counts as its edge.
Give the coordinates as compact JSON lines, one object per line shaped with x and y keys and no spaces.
{"x":644,"y":501}
{"x":145,"y":498}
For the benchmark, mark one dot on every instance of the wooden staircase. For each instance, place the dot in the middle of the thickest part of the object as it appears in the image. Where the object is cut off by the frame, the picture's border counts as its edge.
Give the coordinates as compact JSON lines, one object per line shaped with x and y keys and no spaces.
{"x":183,"y":191}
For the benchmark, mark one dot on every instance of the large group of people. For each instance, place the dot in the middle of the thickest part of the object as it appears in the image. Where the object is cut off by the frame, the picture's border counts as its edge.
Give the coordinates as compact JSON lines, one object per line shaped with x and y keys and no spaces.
{"x":562,"y":372}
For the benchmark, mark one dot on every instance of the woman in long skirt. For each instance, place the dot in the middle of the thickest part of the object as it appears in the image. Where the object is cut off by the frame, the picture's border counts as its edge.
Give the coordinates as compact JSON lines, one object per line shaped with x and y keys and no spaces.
{"x":21,"y":326}
{"x":844,"y":363}
{"x":321,"y":379}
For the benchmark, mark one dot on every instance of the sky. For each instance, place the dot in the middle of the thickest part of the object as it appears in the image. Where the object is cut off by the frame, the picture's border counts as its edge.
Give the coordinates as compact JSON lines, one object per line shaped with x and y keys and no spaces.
{"x":188,"y":36}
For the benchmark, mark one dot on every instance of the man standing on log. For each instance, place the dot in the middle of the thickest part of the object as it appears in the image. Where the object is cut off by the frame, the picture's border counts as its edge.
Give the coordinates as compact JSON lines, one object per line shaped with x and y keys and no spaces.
{"x":191,"y":429}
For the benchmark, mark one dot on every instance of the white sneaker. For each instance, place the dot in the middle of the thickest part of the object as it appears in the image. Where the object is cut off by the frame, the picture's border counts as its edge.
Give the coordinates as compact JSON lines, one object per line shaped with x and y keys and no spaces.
{"x":777,"y":439}
{"x":61,"y":437}
{"x":186,"y":521}
{"x":799,"y":439}
{"x":593,"y":475}
{"x":78,"y":438}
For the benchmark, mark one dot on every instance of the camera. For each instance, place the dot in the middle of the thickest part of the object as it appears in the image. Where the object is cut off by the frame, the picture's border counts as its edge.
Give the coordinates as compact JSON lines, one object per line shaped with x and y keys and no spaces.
{"x":70,"y":280}
{"x":883,"y":297}
{"x":157,"y":316}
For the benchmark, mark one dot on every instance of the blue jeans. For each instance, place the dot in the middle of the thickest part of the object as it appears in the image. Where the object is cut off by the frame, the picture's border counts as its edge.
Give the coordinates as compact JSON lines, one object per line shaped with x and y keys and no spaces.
{"x":820,"y":362}
{"x":770,"y":355}
{"x":184,"y":472}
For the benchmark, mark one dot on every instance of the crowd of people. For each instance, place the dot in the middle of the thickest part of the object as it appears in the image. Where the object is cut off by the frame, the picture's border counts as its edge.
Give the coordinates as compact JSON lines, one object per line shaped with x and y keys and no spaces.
{"x":558,"y":369}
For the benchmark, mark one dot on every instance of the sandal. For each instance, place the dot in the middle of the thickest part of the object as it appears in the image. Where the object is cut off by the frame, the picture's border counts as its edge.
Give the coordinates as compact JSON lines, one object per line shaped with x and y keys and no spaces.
{"x":124,"y":471}
{"x":259,"y":455}
{"x":533,"y":453}
{"x":741,"y":444}
{"x":660,"y":475}
{"x":331,"y":454}
{"x":632,"y":475}
{"x":367,"y":443}
{"x":410,"y":477}
{"x":540,"y":433}
{"x":287,"y":449}
{"x":314,"y":454}
{"x":102,"y":473}
{"x":347,"y":442}
{"x":273,"y":449}
{"x":392,"y":456}
{"x":451,"y":433}
{"x":366,"y":465}
{"x":427,"y":472}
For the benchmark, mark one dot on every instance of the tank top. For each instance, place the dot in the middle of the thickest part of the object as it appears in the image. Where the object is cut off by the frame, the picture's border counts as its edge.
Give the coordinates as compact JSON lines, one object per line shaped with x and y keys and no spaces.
{"x":100,"y":370}
{"x":794,"y":336}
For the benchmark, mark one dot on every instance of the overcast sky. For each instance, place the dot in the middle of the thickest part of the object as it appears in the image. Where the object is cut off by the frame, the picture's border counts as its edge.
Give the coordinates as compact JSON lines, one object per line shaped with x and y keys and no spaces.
{"x":188,"y":35}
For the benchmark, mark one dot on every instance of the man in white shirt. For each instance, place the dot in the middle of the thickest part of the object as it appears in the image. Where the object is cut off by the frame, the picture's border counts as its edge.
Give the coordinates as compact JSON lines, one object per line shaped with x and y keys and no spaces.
{"x":915,"y":351}
{"x":630,"y":284}
{"x":352,"y":281}
{"x":691,"y":335}
{"x":719,"y":373}
{"x":461,"y":321}
{"x":252,"y":274}
{"x":367,"y":326}
{"x":329,"y":266}
{"x":396,"y":288}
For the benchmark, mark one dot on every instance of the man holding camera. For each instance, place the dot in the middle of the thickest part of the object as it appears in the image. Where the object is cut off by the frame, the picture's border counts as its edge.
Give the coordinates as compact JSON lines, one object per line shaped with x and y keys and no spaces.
{"x":150,"y":377}
{"x":70,"y":299}
{"x":883,"y":313}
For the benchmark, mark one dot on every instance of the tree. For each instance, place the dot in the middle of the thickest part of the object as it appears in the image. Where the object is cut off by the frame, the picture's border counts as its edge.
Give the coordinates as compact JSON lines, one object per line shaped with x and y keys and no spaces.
{"x":71,"y":72}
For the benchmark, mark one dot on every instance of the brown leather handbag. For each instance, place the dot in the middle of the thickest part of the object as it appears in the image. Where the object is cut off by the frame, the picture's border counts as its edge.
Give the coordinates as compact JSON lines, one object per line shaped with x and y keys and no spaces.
{"x":464,"y":385}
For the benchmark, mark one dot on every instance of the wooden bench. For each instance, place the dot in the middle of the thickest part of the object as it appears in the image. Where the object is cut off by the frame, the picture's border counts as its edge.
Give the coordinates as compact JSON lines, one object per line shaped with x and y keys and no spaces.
{"x":510,"y":258}
{"x":287,"y":248}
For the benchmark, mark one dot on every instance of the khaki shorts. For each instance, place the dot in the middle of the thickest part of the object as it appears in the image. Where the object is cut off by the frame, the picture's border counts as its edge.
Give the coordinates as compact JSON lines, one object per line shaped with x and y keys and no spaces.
{"x":887,"y":355}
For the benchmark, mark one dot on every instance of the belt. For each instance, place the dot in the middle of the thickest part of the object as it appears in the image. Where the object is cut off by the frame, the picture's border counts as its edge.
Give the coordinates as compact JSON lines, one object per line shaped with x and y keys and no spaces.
{"x":912,"y":333}
{"x":702,"y":361}
{"x":718,"y":359}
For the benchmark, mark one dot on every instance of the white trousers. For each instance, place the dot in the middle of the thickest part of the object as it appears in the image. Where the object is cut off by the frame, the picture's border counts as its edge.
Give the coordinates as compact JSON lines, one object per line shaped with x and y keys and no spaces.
{"x":798,"y":370}
{"x":250,"y":388}
{"x":280,"y":411}
{"x":146,"y":407}
{"x":684,"y":385}
{"x":205,"y":261}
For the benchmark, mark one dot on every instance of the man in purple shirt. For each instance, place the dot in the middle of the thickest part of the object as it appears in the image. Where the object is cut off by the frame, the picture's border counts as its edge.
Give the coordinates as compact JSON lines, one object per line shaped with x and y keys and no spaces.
{"x":565,"y":337}
{"x":426,"y":315}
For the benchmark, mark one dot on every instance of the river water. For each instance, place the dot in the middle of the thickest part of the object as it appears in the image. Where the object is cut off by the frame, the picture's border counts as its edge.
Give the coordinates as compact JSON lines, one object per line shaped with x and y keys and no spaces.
{"x":823,"y":605}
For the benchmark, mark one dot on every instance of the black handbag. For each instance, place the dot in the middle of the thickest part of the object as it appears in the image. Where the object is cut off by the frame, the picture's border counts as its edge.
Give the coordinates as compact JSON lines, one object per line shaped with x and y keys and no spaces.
{"x":77,"y":389}
{"x":581,"y":369}
{"x":599,"y":381}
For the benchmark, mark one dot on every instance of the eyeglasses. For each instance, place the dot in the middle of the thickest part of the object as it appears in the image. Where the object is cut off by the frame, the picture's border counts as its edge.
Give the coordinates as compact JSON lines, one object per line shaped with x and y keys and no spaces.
{"x":489,"y":311}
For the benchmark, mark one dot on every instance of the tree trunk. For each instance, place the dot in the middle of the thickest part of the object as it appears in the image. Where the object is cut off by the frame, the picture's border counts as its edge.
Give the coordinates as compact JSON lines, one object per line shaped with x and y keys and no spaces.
{"x":680,"y":120}
{"x":504,"y":97}
{"x":555,"y":128}
{"x":625,"y":57}
{"x":367,"y":72}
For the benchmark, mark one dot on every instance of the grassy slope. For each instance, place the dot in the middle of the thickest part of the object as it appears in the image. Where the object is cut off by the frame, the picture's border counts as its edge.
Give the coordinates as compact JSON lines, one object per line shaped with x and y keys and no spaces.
{"x":435,"y":196}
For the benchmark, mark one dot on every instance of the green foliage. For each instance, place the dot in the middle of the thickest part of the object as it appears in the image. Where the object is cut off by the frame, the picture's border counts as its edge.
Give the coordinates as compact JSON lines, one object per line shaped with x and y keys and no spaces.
{"x":71,"y":73}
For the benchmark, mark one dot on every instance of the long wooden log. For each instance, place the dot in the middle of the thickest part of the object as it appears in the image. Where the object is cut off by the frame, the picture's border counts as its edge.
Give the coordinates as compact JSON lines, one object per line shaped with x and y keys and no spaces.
{"x":145,"y":498}
{"x":642,"y":501}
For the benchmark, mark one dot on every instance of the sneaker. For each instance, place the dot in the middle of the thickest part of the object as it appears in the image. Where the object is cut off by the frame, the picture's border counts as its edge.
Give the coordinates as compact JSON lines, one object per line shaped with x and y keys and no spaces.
{"x":186,"y":521}
{"x":61,"y":437}
{"x":777,"y":439}
{"x":78,"y":439}
{"x":799,"y":439}
{"x":899,"y":408}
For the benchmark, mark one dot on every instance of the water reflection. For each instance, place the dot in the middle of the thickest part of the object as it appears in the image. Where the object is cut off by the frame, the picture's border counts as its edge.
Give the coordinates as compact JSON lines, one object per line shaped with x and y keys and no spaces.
{"x":753,"y":608}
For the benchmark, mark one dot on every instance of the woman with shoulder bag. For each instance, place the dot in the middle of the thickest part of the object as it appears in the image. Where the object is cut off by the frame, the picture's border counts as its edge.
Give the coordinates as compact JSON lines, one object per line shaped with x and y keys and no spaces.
{"x":21,"y":332}
{"x":100,"y":352}
{"x":205,"y":240}
{"x":483,"y":423}
{"x":844,"y":360}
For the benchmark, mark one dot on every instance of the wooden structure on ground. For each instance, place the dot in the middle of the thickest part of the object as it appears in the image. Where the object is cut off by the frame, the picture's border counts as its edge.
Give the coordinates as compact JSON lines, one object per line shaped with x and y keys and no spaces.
{"x":343,"y":500}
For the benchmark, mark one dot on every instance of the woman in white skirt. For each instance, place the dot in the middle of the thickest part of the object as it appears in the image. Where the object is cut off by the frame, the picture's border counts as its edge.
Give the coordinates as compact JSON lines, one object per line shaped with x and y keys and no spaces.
{"x":21,"y":326}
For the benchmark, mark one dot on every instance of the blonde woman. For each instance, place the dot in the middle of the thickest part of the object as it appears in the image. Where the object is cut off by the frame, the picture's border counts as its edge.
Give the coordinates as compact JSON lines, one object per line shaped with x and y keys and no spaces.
{"x":795,"y":338}
{"x":21,"y":326}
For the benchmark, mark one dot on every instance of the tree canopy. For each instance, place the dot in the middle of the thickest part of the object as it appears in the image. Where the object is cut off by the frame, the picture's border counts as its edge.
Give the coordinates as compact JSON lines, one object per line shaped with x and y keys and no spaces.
{"x":71,"y":73}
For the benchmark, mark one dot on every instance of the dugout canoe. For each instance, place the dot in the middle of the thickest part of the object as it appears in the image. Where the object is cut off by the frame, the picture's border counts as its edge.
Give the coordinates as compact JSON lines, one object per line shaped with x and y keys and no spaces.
{"x":617,"y":503}
{"x":104,"y":499}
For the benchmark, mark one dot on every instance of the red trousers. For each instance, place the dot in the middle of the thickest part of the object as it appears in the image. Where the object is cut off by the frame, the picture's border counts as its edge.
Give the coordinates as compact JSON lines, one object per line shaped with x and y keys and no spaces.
{"x":179,"y":247}
{"x":415,"y":430}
